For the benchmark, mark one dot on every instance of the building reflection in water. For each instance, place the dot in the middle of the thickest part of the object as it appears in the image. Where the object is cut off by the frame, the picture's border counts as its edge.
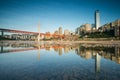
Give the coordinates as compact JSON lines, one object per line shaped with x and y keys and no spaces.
{"x":66,"y":49}
{"x":88,"y":51}
{"x":1,"y":47}
{"x":60,"y":51}
{"x":97,"y":62}
{"x":38,"y":53}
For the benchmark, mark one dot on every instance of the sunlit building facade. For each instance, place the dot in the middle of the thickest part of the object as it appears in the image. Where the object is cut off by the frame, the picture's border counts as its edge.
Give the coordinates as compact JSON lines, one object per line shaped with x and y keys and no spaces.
{"x":87,"y":27}
{"x":115,"y":26}
{"x":60,"y":30}
{"x":66,"y":32}
{"x":97,"y":19}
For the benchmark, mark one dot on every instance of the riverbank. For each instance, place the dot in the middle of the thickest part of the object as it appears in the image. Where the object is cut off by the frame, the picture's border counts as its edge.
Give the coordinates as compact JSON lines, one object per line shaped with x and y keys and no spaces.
{"x":65,"y":42}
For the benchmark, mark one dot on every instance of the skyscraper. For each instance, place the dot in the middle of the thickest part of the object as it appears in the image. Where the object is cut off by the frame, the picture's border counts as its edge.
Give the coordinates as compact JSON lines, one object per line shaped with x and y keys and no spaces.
{"x":97,"y":19}
{"x":60,"y":30}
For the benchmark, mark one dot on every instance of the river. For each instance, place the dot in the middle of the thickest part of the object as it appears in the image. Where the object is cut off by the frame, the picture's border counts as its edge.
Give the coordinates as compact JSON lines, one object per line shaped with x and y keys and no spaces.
{"x":77,"y":61}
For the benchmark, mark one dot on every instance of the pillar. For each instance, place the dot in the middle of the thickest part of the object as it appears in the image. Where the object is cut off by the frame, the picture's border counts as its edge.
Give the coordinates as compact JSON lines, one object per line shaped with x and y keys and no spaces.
{"x":2,"y":33}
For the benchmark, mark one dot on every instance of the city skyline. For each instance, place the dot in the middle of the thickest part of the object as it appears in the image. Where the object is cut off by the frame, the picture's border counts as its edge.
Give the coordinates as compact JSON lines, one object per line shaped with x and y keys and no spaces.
{"x":69,"y":14}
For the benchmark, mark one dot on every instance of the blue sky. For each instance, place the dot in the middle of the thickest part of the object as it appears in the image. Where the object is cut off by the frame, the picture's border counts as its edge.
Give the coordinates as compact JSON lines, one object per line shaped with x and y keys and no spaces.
{"x":69,"y":14}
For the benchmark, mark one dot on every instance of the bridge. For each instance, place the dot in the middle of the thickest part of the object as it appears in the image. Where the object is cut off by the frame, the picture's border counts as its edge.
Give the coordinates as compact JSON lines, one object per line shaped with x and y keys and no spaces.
{"x":28,"y":32}
{"x":18,"y":31}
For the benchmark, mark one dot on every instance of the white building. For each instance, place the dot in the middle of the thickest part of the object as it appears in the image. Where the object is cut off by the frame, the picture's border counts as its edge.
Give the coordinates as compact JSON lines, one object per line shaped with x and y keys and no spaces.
{"x":97,"y":19}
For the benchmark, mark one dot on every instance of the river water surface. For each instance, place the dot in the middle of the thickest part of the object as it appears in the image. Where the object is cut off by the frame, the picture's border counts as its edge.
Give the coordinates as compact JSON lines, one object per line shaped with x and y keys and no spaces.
{"x":23,"y":61}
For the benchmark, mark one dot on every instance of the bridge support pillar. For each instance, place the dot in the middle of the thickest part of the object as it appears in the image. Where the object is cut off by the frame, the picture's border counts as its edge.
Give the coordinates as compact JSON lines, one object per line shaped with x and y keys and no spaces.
{"x":2,"y":33}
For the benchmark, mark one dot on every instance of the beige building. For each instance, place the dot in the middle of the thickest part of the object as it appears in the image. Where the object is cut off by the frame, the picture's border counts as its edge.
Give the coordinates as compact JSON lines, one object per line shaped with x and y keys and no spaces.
{"x":117,"y":28}
{"x":66,"y":32}
{"x":112,"y":26}
{"x":87,"y":27}
{"x":60,"y":30}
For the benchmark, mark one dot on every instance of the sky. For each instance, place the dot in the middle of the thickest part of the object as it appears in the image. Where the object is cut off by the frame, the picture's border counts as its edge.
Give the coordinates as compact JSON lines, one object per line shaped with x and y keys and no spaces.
{"x":52,"y":14}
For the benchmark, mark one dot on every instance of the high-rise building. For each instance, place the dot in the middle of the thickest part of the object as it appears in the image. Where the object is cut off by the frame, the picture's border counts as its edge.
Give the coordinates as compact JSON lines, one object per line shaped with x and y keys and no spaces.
{"x":60,"y":30}
{"x":97,"y":19}
{"x":87,"y":27}
{"x":66,"y":32}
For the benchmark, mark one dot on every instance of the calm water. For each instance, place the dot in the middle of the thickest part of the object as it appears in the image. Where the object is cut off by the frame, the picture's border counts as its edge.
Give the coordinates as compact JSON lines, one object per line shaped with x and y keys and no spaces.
{"x":20,"y":61}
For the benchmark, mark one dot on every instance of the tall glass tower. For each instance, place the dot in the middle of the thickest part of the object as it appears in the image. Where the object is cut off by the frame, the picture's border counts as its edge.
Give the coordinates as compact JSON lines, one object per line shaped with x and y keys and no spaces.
{"x":97,"y":19}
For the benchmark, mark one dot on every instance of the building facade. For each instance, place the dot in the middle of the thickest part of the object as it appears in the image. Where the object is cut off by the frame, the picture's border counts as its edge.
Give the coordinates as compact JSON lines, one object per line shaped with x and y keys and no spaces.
{"x":60,"y":30}
{"x":115,"y":26}
{"x":97,"y":19}
{"x":66,"y":32}
{"x":85,"y":28}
